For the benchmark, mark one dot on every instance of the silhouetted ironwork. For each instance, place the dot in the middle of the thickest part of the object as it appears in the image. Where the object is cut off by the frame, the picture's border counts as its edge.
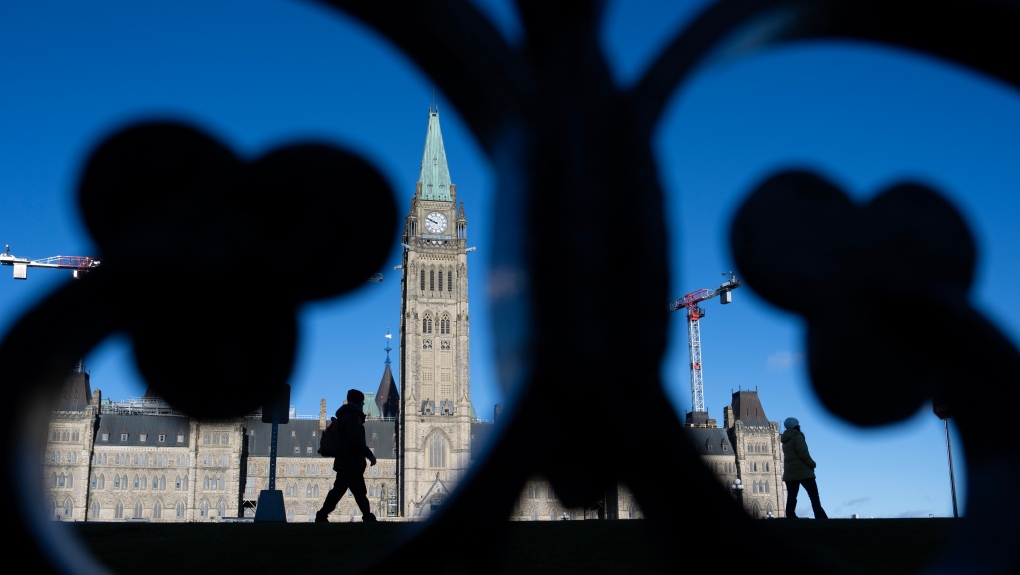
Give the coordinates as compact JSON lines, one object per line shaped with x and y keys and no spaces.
{"x":551,"y":119}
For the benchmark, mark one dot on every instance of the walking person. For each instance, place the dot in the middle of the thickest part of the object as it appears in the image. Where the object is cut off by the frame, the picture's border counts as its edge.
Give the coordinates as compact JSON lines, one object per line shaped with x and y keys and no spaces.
{"x":799,"y":469}
{"x":349,"y":463}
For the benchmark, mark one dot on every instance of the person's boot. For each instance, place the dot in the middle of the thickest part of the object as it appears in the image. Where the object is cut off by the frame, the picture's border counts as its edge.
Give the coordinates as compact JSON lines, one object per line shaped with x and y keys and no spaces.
{"x":368,"y":518}
{"x":320,"y":517}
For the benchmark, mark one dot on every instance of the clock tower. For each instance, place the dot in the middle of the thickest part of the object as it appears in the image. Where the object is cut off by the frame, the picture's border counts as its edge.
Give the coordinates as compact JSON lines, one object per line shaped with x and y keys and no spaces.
{"x":435,"y":415}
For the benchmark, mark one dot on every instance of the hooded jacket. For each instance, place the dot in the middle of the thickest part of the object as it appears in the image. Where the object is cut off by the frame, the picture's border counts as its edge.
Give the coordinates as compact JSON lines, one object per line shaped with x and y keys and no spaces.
{"x":353,"y":449}
{"x":797,"y":464}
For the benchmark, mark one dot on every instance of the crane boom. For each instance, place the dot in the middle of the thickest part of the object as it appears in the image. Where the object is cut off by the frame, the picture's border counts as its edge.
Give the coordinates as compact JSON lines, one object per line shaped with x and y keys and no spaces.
{"x":694,"y":314}
{"x":21,"y":265}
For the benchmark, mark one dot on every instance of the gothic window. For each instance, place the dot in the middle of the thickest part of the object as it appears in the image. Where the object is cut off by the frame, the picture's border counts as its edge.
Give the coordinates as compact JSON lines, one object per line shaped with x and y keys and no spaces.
{"x":74,"y":436}
{"x":203,"y":509}
{"x":65,"y":436}
{"x":162,"y":483}
{"x":426,"y":323}
{"x":102,"y":481}
{"x":180,"y":510}
{"x":221,"y":508}
{"x":180,"y":437}
{"x":432,"y":280}
{"x":93,"y":481}
{"x":440,"y":280}
{"x":422,"y":280}
{"x":144,"y":483}
{"x":449,"y":281}
{"x":766,"y":466}
{"x":766,"y":486}
{"x":138,"y":509}
{"x":155,"y":482}
{"x":116,"y":481}
{"x":177,"y":483}
{"x":308,"y":490}
{"x":95,"y":509}
{"x":534,"y":514}
{"x":134,"y":483}
{"x":225,"y":439}
{"x":157,"y":510}
{"x":437,"y":450}
{"x":142,"y":436}
{"x":118,"y":511}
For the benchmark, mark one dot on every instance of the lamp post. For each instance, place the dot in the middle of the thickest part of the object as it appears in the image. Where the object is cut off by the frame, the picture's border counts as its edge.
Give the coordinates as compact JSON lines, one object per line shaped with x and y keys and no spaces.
{"x":738,"y":491}
{"x":943,"y":412}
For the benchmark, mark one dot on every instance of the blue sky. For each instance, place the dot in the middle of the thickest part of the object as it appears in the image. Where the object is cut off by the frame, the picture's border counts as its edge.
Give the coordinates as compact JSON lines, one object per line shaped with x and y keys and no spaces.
{"x":262,"y":73}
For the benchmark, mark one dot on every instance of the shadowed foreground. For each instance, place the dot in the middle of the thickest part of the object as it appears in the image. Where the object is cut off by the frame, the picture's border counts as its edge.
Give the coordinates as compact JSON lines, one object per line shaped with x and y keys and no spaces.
{"x":879,"y":546}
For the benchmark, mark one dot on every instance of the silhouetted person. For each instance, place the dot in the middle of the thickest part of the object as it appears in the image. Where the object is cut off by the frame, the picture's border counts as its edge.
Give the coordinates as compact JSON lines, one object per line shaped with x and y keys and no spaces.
{"x":349,"y":464}
{"x":799,"y":470}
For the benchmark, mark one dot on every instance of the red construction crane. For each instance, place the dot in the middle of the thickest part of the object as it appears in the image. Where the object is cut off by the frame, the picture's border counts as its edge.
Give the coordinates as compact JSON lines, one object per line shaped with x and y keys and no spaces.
{"x":78,"y":264}
{"x":694,"y":314}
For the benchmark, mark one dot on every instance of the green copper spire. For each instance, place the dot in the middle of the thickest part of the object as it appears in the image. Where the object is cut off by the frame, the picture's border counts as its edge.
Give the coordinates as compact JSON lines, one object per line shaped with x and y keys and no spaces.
{"x":434,"y":177}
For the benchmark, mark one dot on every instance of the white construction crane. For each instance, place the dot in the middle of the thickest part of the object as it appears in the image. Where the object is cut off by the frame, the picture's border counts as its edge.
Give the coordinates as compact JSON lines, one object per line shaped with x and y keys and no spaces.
{"x":694,"y":314}
{"x":77,"y":264}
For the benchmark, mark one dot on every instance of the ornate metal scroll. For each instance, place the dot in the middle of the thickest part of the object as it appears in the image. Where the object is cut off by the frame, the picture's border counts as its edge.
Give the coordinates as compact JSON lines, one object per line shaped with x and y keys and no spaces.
{"x":551,"y":119}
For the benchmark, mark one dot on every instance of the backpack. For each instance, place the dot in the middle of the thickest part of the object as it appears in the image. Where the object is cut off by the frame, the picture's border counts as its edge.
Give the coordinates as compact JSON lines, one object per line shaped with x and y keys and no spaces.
{"x":329,"y":443}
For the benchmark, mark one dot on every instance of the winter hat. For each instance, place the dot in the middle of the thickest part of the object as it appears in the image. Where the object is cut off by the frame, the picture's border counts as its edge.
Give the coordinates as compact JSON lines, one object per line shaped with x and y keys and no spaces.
{"x":791,"y":422}
{"x":355,"y":396}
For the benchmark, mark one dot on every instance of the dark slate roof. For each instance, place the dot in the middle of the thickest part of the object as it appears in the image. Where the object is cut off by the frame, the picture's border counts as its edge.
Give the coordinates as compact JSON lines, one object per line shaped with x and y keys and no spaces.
{"x":151,"y":425}
{"x":702,"y":437}
{"x":380,"y":436}
{"x":260,"y":437}
{"x":76,"y":393}
{"x":747,"y":408}
{"x":387,"y":399}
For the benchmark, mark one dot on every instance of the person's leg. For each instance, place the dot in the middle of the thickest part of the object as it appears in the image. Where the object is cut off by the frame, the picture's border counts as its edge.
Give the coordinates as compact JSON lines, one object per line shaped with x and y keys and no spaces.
{"x":360,"y":492}
{"x":332,"y":498}
{"x":811,"y":486}
{"x":792,"y":488}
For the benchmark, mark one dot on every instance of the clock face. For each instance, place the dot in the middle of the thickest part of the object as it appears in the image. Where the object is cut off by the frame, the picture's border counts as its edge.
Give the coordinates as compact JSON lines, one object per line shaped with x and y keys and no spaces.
{"x":435,"y":222}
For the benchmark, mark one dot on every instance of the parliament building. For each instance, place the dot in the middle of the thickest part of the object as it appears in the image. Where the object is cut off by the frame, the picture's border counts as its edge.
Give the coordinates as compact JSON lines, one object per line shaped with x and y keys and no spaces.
{"x":141,"y":460}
